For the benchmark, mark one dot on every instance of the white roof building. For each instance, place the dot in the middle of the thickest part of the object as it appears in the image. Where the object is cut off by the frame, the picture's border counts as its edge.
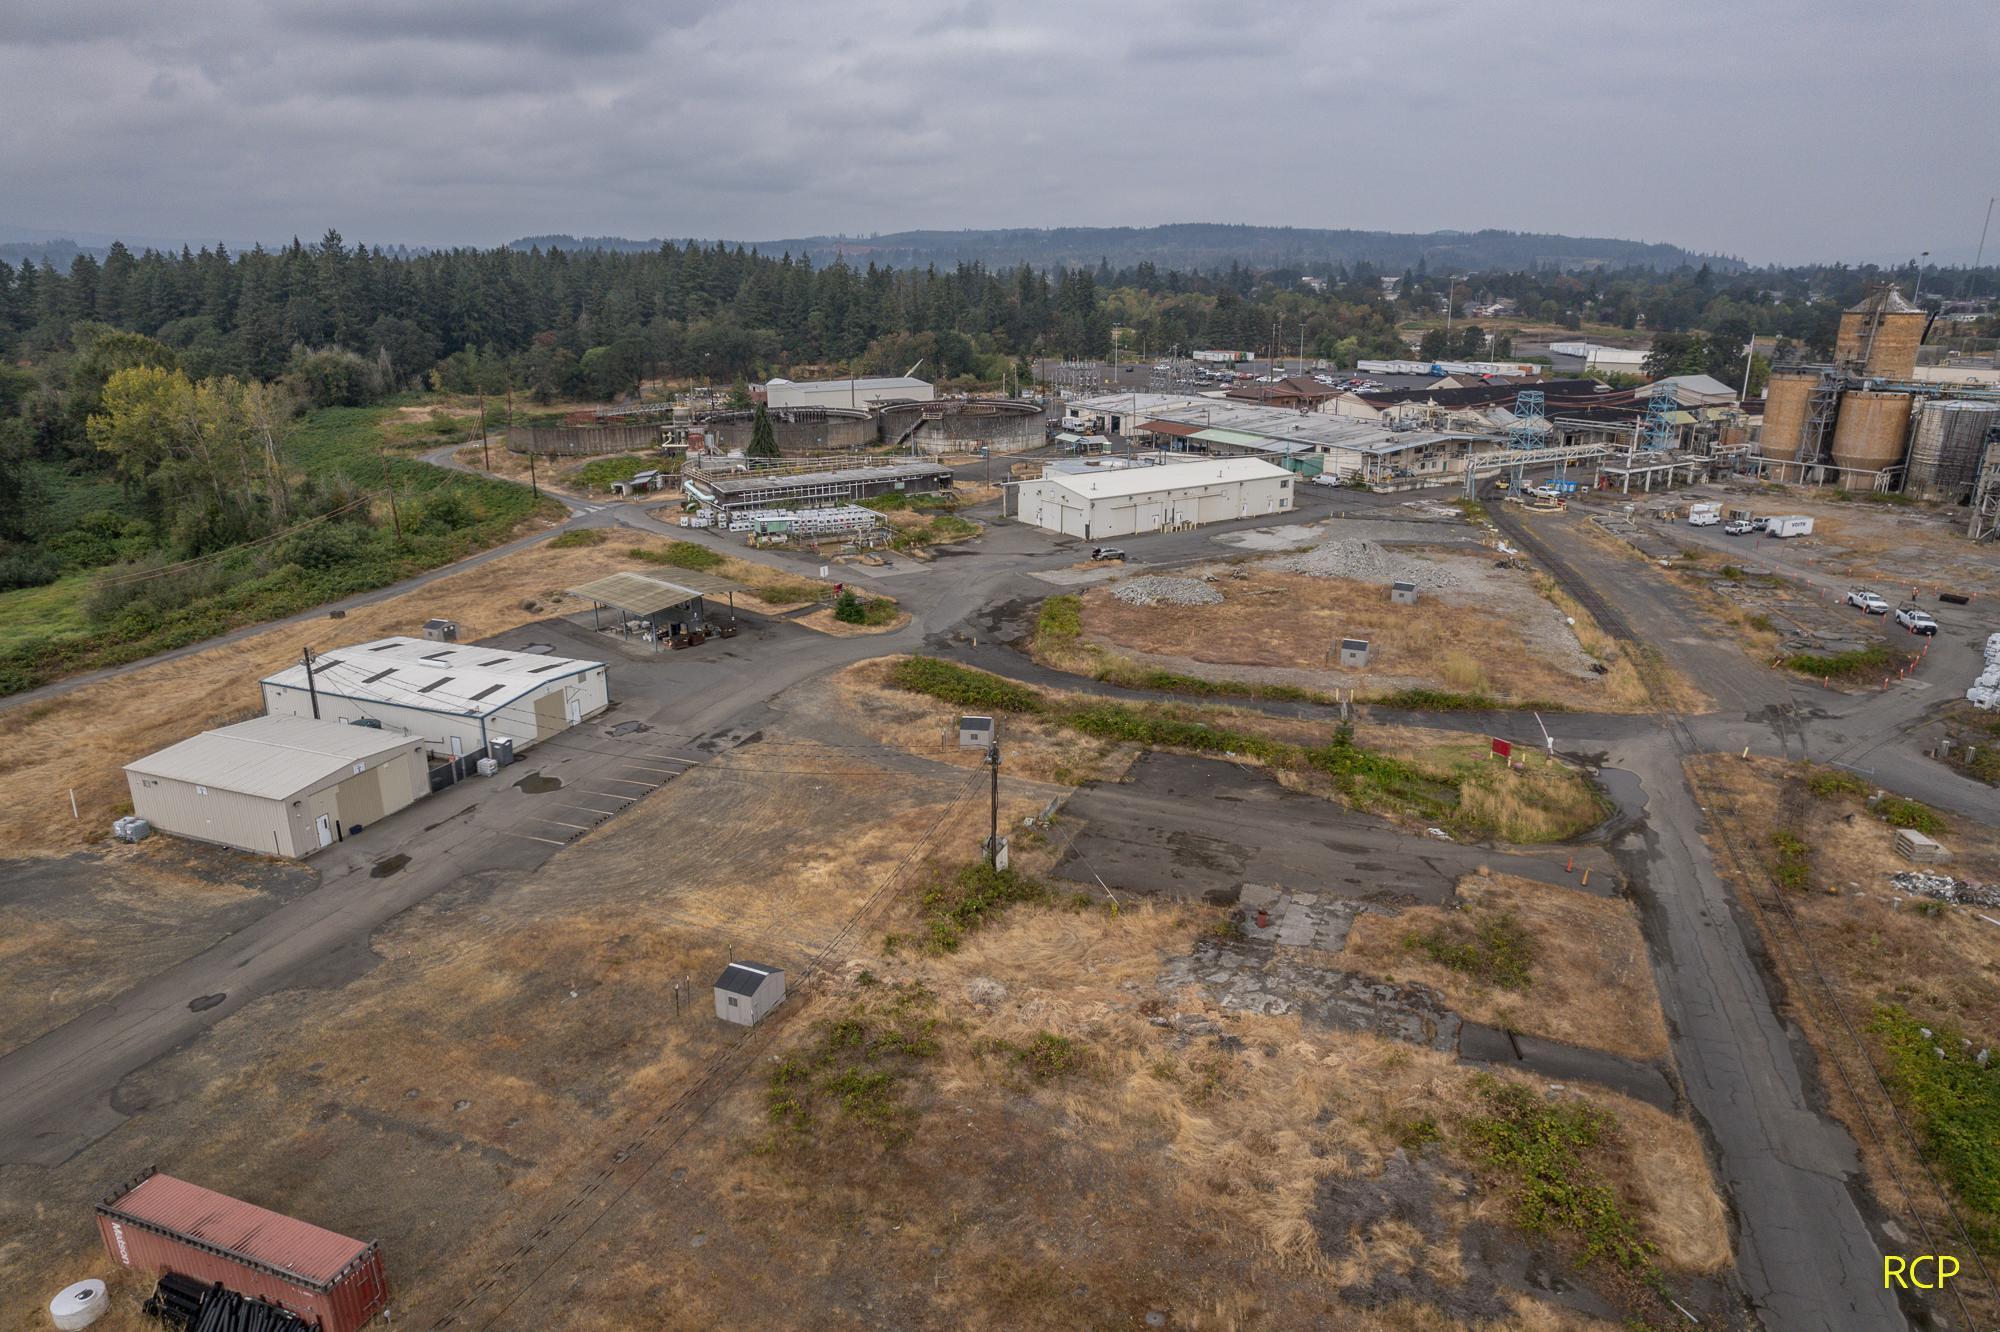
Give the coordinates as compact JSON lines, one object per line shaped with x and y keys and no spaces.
{"x":458,"y":696}
{"x":1101,"y":504}
{"x":284,"y":786}
{"x":862,"y":393}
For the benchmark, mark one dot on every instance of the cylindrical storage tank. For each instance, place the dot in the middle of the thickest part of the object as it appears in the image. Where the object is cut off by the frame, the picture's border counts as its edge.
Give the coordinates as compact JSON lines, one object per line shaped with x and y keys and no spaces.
{"x":1881,"y":343}
{"x":158,"y":1224}
{"x":1946,"y":445}
{"x":1871,"y":430}
{"x":1786,"y":402}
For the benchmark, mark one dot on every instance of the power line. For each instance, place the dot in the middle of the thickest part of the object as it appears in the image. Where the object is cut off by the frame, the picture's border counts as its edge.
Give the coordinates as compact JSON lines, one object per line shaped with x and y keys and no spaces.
{"x":717,"y":1076}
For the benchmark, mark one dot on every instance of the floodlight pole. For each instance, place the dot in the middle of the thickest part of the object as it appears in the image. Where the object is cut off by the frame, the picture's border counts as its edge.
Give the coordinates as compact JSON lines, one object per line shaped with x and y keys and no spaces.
{"x":306,"y":655}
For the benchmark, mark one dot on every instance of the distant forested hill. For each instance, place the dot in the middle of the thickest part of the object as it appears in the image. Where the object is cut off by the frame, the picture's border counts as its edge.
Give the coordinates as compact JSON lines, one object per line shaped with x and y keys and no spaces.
{"x":1209,"y":246}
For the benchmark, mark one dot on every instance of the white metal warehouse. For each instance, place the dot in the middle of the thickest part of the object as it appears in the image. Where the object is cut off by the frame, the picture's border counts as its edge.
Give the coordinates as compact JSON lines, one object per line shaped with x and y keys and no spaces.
{"x":1098,"y":506}
{"x":458,"y":697}
{"x":284,"y":786}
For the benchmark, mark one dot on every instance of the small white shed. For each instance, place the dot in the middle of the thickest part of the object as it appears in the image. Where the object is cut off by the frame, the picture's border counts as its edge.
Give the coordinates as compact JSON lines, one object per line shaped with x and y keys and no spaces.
{"x":745,"y":992}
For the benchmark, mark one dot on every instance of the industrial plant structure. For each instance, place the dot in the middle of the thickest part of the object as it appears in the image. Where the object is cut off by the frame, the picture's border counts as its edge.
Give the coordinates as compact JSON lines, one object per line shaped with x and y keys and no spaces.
{"x":1866,"y":422}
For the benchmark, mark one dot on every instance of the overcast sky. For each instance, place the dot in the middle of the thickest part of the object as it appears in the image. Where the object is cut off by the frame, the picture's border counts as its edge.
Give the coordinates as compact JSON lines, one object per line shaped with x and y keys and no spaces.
{"x":1777,"y":131}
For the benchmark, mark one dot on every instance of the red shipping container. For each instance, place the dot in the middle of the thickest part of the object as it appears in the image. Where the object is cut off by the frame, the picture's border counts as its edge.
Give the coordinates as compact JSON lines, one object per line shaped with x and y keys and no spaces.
{"x":158,"y":1224}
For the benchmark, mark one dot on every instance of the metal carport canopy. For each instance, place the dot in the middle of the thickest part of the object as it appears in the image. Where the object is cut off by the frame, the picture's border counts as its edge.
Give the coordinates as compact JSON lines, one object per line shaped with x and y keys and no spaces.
{"x":644,"y":595}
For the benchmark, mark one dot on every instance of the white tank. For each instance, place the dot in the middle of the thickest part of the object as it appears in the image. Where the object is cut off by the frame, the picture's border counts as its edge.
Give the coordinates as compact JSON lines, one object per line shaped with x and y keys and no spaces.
{"x":79,"y":1305}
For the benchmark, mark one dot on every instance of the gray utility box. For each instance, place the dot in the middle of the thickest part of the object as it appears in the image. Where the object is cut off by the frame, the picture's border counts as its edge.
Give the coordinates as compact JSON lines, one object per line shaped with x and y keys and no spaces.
{"x":1403,"y":594}
{"x":1354,"y":652}
{"x":441,"y":631}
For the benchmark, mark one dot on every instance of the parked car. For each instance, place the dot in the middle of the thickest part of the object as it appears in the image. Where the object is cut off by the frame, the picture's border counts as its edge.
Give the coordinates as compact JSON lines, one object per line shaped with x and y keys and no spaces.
{"x":1327,"y":479}
{"x":1741,"y":527}
{"x":1106,"y":553}
{"x":1866,"y":600}
{"x":1704,"y":518}
{"x":1916,"y":621}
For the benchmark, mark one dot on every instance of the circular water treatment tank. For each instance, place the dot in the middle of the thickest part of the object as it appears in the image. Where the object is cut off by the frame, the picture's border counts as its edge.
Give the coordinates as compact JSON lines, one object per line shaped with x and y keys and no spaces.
{"x":79,"y":1305}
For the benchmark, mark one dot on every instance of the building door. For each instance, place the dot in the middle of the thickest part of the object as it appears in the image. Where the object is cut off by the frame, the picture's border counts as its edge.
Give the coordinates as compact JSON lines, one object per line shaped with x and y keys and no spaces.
{"x":457,"y":747}
{"x":325,"y":829}
{"x":573,"y":705}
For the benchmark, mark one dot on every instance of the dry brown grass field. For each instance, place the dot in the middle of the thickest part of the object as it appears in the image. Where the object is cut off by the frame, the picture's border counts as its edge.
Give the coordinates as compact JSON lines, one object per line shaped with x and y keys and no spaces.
{"x":1590,"y":983}
{"x":82,"y":739}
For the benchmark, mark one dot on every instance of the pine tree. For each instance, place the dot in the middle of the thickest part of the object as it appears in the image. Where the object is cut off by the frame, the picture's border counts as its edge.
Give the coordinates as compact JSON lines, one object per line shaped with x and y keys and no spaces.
{"x":763,"y":439}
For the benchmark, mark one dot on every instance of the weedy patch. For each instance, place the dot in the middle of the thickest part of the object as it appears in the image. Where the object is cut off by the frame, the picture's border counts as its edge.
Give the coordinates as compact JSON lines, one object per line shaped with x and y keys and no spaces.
{"x":971,"y":898}
{"x":852,"y":1079}
{"x":1955,"y":1101}
{"x":1550,"y":1153}
{"x":1791,"y":863}
{"x":1495,"y":949}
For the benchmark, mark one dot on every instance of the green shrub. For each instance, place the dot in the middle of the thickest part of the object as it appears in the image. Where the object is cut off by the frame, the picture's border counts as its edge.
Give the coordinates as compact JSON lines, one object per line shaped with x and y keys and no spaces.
{"x":1871,"y":662}
{"x":848,"y":609}
{"x":1437,"y":700}
{"x":1827,"y":783}
{"x":1900,"y":812}
{"x":964,"y":687}
{"x":680,"y":555}
{"x":578,"y":537}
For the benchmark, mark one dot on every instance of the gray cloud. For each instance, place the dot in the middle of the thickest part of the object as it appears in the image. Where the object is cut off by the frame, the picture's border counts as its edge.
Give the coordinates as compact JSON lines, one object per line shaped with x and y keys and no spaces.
{"x":1840,"y":131}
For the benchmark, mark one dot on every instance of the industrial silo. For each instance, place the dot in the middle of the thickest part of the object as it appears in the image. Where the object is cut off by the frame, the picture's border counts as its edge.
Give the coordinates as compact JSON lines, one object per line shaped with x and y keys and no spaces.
{"x":1870,"y":432}
{"x":1945,"y":448}
{"x":1880,"y":336}
{"x":1786,"y":402}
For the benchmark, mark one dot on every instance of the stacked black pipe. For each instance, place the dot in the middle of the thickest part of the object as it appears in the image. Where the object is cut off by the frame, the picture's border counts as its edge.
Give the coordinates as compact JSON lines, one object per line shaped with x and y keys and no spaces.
{"x":182,"y":1302}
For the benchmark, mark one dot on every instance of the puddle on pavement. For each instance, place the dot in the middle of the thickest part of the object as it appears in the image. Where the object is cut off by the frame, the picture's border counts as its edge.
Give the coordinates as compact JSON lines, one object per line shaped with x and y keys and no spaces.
{"x":205,"y":1002}
{"x":387,"y":866}
{"x":540,"y":649}
{"x":628,"y":728}
{"x":536,"y":784}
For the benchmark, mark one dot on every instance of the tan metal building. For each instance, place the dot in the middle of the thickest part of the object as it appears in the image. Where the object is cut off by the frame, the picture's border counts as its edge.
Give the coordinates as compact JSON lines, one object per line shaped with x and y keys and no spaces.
{"x":283,"y":786}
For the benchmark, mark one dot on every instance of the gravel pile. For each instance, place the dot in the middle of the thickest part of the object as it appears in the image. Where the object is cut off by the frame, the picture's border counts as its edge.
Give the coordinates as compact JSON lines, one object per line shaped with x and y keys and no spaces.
{"x":1154,"y":590}
{"x":1367,"y":562}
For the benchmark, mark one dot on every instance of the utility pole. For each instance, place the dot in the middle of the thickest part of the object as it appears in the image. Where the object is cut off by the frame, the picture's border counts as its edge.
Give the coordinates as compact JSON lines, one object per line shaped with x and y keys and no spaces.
{"x":533,"y":484}
{"x":306,"y":654}
{"x":389,"y":484}
{"x":993,"y":823}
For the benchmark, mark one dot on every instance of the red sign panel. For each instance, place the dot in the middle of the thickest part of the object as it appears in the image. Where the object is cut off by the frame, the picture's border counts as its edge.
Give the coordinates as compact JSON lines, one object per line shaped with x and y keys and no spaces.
{"x":1503,"y":748}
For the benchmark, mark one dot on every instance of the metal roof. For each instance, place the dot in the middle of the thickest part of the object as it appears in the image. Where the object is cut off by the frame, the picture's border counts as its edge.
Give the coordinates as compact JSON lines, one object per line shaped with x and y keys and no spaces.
{"x":311,"y":1253}
{"x":456,"y":679}
{"x":734,"y":483}
{"x":270,"y":757}
{"x":643,"y":594}
{"x":744,"y":977}
{"x":1128,"y":481}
